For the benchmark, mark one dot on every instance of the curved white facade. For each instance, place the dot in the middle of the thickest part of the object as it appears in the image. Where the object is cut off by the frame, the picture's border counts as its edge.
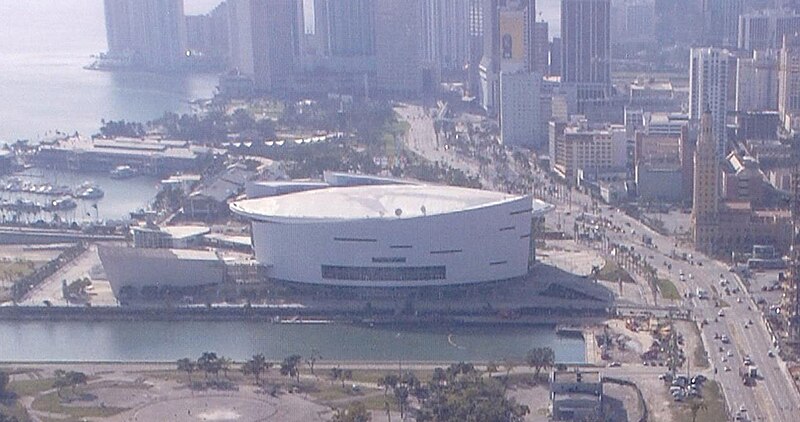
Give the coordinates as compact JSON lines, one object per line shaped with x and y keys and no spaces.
{"x":487,"y":239}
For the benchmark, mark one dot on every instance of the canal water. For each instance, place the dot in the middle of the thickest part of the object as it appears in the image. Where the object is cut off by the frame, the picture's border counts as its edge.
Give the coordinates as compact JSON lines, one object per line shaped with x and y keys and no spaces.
{"x":121,"y":196}
{"x":167,"y":341}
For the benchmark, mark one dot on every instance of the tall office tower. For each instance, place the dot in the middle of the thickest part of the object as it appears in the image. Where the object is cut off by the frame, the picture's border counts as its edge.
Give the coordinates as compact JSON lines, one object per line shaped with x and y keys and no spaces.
{"x":721,"y":22}
{"x":494,"y":12}
{"x":312,"y":34}
{"x":789,"y":83}
{"x":711,"y":87}
{"x":586,"y":52}
{"x":445,"y":41}
{"x":489,"y":67}
{"x":151,"y":33}
{"x":351,"y":26}
{"x":520,"y":105}
{"x":454,"y":35}
{"x":398,"y":47}
{"x":240,"y":36}
{"x":532,"y":36}
{"x":264,"y":42}
{"x":208,"y":35}
{"x":765,"y":29}
{"x":541,"y":54}
{"x":475,"y":28}
{"x":556,"y":48}
{"x":706,"y":192}
{"x":757,"y":82}
{"x":275,"y":44}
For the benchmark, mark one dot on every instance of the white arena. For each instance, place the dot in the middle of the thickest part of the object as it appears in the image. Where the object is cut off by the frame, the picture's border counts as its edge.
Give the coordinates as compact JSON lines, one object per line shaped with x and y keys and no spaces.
{"x":393,"y":235}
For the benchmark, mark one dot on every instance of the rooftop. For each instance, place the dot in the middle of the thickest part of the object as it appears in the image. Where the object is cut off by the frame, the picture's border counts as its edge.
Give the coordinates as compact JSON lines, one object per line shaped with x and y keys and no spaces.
{"x":378,"y":201}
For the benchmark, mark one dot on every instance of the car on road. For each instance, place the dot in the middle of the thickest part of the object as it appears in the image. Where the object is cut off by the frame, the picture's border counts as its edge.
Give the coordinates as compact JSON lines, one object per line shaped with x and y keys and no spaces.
{"x":727,"y":369}
{"x":725,"y":339}
{"x":614,"y":365}
{"x":730,"y":353}
{"x":721,"y":313}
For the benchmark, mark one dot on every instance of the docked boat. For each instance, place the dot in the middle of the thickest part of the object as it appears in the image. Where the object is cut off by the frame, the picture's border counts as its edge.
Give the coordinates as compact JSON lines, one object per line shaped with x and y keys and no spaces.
{"x":89,"y":191}
{"x":123,"y":172}
{"x":63,"y":204}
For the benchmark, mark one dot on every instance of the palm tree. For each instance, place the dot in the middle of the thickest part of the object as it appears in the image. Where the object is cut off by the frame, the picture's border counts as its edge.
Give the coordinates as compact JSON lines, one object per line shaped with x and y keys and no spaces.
{"x":291,"y":367}
{"x":256,"y":365}
{"x":336,"y":373}
{"x":347,"y":375}
{"x":539,"y":358}
{"x":187,"y":365}
{"x":225,"y":364}
{"x":75,"y":379}
{"x":209,"y":363}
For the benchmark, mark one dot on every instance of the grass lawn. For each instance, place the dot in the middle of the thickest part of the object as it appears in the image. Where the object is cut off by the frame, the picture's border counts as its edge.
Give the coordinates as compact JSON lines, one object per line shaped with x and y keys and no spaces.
{"x":12,"y":270}
{"x":24,"y":388}
{"x":613,"y":272}
{"x":699,"y":358}
{"x":50,"y":402}
{"x":713,"y":400}
{"x":14,"y":409}
{"x":668,"y":289}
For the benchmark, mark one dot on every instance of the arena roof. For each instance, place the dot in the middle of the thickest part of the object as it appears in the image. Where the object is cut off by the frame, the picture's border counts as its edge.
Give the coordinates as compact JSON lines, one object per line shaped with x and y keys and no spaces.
{"x":378,"y":201}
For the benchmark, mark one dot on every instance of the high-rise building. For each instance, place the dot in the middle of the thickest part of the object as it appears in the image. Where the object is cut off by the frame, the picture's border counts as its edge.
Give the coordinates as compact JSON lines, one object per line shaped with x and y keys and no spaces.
{"x":207,"y":35}
{"x":586,"y":49}
{"x":578,"y":145}
{"x":275,"y":44}
{"x":757,"y":82}
{"x":149,"y":33}
{"x":541,"y":54}
{"x":264,"y":43}
{"x":520,"y":124}
{"x":765,"y":29}
{"x":721,"y":22}
{"x":508,"y":30}
{"x":706,"y":191}
{"x":711,"y":87}
{"x":445,"y":39}
{"x":556,"y":47}
{"x":398,"y":47}
{"x":351,"y":27}
{"x":789,"y":83}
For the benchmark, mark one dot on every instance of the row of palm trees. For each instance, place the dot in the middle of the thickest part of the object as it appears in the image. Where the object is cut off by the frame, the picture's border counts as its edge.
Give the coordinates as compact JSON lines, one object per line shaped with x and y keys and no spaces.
{"x":212,"y":364}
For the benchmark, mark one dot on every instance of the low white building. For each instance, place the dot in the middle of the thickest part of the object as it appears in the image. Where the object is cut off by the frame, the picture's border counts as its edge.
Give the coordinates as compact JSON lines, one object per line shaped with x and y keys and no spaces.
{"x":393,"y":235}
{"x":138,"y":268}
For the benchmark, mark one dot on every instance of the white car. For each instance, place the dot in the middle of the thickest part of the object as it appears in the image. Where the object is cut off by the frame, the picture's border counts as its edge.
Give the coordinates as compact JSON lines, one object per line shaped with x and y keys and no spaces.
{"x":721,"y":313}
{"x":730,"y":353}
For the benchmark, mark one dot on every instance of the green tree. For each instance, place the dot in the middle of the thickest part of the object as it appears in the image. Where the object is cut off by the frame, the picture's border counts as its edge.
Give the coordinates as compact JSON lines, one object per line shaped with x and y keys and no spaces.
{"x":209,"y":363}
{"x":290,"y":367}
{"x":60,"y":381}
{"x":540,"y":358}
{"x":389,"y":381}
{"x":187,"y":365}
{"x":225,"y":364}
{"x":4,"y":380}
{"x":336,"y":374}
{"x":355,"y":412}
{"x":256,"y":366}
{"x":75,"y":379}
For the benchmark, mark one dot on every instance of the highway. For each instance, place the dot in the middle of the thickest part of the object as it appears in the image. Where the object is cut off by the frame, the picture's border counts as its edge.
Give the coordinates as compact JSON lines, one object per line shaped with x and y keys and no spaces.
{"x":773,"y":397}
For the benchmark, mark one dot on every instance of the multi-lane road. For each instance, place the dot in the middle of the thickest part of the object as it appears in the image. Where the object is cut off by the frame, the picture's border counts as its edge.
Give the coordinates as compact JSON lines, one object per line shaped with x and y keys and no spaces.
{"x":773,"y":397}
